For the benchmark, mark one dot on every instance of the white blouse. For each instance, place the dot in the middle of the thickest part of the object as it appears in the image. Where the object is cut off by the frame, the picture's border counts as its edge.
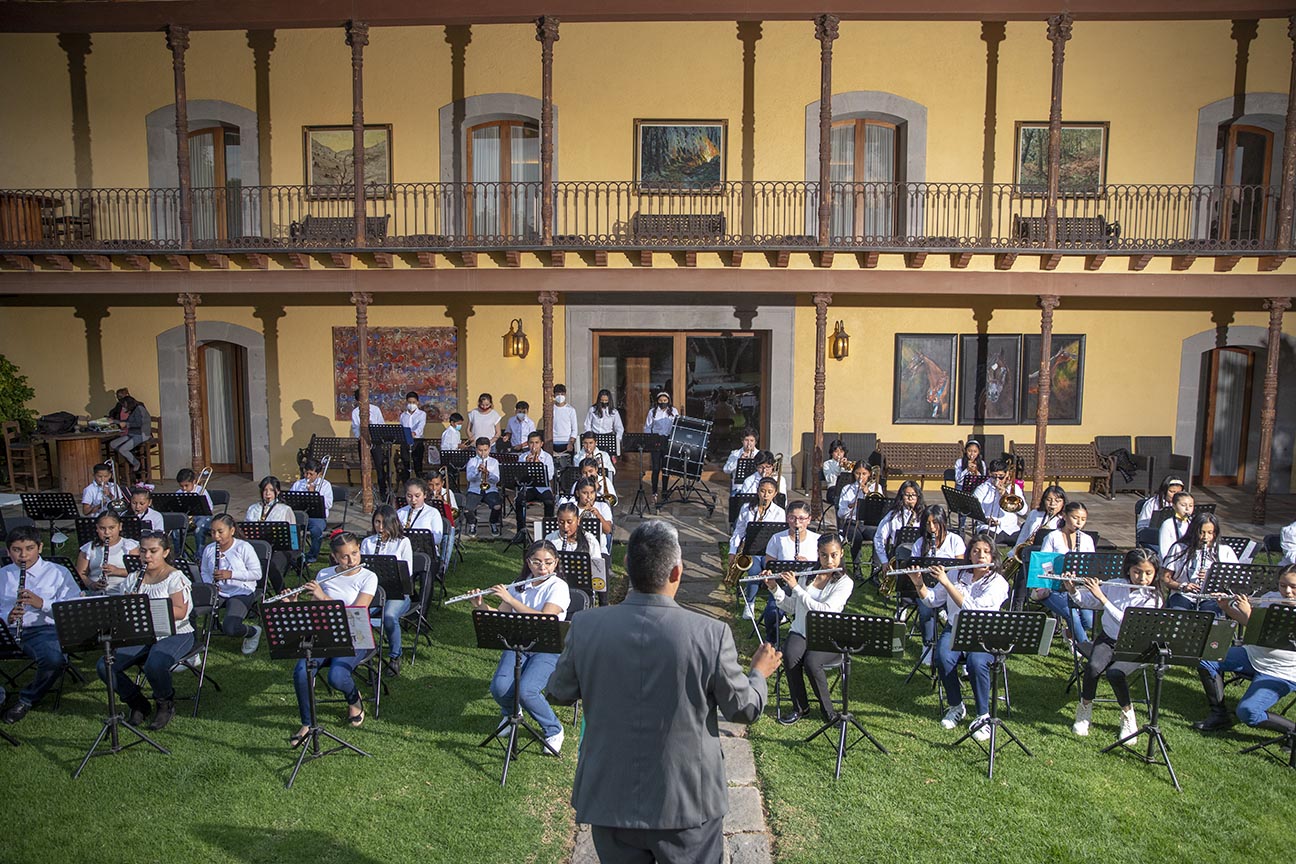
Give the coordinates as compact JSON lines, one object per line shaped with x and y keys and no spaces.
{"x":806,"y":598}
{"x":114,"y":556}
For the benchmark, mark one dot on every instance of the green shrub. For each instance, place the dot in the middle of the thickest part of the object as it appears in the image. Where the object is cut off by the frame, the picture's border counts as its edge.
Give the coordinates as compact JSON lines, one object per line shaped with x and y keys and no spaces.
{"x":15,"y":393}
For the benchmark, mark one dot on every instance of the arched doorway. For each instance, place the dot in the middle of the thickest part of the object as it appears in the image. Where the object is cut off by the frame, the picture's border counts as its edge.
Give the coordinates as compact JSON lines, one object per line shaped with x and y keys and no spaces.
{"x":1227,"y":404}
{"x":223,"y":380}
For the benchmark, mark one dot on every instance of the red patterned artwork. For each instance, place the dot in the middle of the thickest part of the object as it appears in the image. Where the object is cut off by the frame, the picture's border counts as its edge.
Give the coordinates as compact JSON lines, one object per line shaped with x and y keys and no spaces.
{"x":401,"y":359}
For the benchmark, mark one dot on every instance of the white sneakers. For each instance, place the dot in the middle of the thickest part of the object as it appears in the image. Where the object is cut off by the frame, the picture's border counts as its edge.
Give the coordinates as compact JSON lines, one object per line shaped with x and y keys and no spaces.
{"x":1084,"y":713}
{"x":1129,"y":724}
{"x":555,"y":741}
{"x":251,"y":642}
{"x":982,"y":732}
{"x":953,"y":716}
{"x":747,"y":613}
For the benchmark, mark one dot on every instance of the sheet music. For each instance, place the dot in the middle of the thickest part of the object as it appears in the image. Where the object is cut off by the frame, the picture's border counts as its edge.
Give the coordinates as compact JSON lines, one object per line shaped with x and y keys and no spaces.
{"x":361,"y":630}
{"x":163,"y":616}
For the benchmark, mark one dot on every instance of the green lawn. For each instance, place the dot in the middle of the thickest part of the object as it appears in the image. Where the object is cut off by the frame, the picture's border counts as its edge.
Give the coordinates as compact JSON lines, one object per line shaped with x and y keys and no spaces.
{"x":427,"y":793}
{"x":930,"y":802}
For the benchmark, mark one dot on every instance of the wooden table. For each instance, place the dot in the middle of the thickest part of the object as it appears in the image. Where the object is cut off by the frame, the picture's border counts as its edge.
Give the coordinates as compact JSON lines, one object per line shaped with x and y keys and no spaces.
{"x":78,"y":453}
{"x":20,"y":216}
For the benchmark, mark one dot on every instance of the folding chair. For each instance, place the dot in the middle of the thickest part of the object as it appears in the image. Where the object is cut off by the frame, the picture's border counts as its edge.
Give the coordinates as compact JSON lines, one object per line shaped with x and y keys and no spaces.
{"x":372,"y":665}
{"x":422,"y":602}
{"x":203,"y":615}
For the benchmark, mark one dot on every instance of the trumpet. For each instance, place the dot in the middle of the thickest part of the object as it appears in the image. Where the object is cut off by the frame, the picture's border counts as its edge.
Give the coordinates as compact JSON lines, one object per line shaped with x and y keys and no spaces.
{"x":481,"y":592}
{"x":738,"y":565}
{"x":799,"y":574}
{"x":292,"y":592}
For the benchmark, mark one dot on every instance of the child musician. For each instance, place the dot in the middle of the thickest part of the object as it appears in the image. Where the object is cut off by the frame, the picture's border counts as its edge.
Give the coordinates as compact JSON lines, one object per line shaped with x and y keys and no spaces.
{"x":833,"y":468}
{"x":589,"y":449}
{"x":374,"y":412}
{"x":388,"y":539}
{"x":157,"y":580}
{"x":797,"y":543}
{"x":101,"y":563}
{"x":517,"y":429}
{"x":589,"y":507}
{"x":566,"y":426}
{"x":442,"y":498}
{"x":1174,"y":528}
{"x":824,"y":592}
{"x":982,"y":588}
{"x":545,"y":594}
{"x":937,"y":541}
{"x":746,"y":451}
{"x":354,"y":585}
{"x":970,"y":464}
{"x":142,"y":508}
{"x":43,"y":584}
{"x":544,"y":493}
{"x":414,"y":419}
{"x":96,"y":497}
{"x":271,"y":509}
{"x":1003,"y":525}
{"x":451,"y":438}
{"x":419,"y":513}
{"x":660,"y":421}
{"x":1272,"y":670}
{"x":763,"y":509}
{"x":313,"y":480}
{"x":1191,"y":559}
{"x":1047,"y":516}
{"x":604,"y":419}
{"x":483,"y":470}
{"x":1116,"y":597}
{"x":764,"y":468}
{"x":1162,"y":500}
{"x":568,"y":537}
{"x":187,"y":480}
{"x":905,"y":512}
{"x":847,"y":504}
{"x":233,"y":566}
{"x":1068,"y":538}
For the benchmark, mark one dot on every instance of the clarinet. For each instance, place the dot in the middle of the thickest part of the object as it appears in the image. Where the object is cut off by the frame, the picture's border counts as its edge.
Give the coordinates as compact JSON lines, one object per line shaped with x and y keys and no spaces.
{"x":22,"y":586}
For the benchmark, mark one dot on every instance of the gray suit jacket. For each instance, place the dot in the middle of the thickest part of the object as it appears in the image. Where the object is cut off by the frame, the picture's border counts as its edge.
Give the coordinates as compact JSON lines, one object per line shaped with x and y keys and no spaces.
{"x":652,"y":676}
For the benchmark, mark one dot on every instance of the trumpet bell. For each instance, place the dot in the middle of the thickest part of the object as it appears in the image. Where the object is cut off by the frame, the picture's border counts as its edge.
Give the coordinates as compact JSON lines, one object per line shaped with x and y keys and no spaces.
{"x":1012,"y":503}
{"x":611,"y":500}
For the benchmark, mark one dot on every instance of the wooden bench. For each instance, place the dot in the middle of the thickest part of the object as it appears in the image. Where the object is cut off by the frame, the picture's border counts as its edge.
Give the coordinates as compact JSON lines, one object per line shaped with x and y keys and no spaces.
{"x":336,"y":230}
{"x":1071,"y":462}
{"x":917,"y":460}
{"x":665,"y":227}
{"x":1071,"y":230}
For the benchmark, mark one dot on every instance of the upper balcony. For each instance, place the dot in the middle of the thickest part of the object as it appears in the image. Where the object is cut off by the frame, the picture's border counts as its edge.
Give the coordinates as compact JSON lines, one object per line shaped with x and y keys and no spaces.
{"x":48,"y":226}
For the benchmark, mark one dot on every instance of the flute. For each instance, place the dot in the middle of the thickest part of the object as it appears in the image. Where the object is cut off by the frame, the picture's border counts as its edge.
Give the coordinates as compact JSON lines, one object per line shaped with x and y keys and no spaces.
{"x":1079,"y":582}
{"x":955,"y":569}
{"x":799,"y":574}
{"x":480,"y":592}
{"x":350,"y":571}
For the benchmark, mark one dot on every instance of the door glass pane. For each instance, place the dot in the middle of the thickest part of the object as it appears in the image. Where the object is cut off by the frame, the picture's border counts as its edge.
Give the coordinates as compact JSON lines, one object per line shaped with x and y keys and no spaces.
{"x":524,"y":196}
{"x":724,"y":386}
{"x":219,"y":363}
{"x":1229,"y":409}
{"x":233,"y":184}
{"x":842,"y":170}
{"x":879,"y":169}
{"x":202,"y":177}
{"x":485,"y":179}
{"x":634,"y":369}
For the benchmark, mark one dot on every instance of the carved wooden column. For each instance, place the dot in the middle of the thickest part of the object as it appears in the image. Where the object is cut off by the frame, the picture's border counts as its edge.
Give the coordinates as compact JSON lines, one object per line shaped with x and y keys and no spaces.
{"x":547,"y":301}
{"x":362,"y":301}
{"x":1288,"y":192}
{"x":178,"y":41}
{"x":821,"y":302}
{"x":1047,"y":303}
{"x":546,"y":35}
{"x":1268,"y":409}
{"x":196,"y":420}
{"x":1059,"y":31}
{"x":358,"y":37}
{"x":826,"y":33}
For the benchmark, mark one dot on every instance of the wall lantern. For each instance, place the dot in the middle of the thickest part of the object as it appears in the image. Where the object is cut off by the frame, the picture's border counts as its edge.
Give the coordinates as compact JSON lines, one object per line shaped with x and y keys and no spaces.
{"x":840,"y":346}
{"x":515,"y":341}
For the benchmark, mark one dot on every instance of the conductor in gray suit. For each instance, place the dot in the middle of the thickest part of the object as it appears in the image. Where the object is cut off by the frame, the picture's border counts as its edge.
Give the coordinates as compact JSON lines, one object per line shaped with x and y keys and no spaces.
{"x":653,"y":677}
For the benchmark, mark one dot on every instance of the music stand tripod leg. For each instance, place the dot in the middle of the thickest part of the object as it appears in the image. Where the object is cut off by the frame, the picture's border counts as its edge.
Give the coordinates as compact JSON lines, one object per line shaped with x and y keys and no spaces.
{"x":113,"y":721}
{"x":515,"y":721}
{"x":1152,"y":728}
{"x":844,"y":720}
{"x":311,"y":747}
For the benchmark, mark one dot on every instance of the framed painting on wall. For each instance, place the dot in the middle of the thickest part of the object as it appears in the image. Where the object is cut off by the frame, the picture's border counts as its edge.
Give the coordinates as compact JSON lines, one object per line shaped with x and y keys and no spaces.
{"x":680,"y":155}
{"x":924,"y":375}
{"x":1083,"y":165}
{"x":1066,"y":395}
{"x":989,"y":374}
{"x":401,"y":359}
{"x":328,"y":162}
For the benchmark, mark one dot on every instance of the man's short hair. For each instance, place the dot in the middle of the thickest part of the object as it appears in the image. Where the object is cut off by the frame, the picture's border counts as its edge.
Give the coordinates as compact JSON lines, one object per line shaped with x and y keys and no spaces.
{"x":652,"y":550}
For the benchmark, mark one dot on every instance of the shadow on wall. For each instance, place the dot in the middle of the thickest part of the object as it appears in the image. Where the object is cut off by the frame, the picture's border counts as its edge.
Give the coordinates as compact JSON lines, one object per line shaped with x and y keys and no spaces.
{"x":308,"y":423}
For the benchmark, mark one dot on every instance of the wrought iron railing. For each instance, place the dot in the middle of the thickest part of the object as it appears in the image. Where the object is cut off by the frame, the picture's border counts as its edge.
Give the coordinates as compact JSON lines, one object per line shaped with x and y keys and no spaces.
{"x":740,"y":215}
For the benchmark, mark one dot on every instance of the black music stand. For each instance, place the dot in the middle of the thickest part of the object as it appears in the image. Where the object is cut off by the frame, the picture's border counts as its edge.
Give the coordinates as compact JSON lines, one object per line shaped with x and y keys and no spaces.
{"x":9,"y":650}
{"x":1162,"y":637}
{"x":736,"y":502}
{"x":607,"y":442}
{"x":641,"y":442}
{"x":310,"y":503}
{"x":851,"y":635}
{"x":1243,"y":547}
{"x":393,"y":575}
{"x":423,"y":540}
{"x":746,"y":465}
{"x":457,"y":461}
{"x":191,"y":504}
{"x":758,"y":536}
{"x":524,"y":475}
{"x":521,"y":634}
{"x":1270,"y":627}
{"x":575,"y":569}
{"x":383,"y":437}
{"x":50,"y":507}
{"x":131,"y":526}
{"x":278,"y":534}
{"x":104,"y":622}
{"x":1000,"y":633}
{"x":964,"y":504}
{"x":1231,"y":578}
{"x":682,"y":464}
{"x":310,"y":630}
{"x":904,"y":587}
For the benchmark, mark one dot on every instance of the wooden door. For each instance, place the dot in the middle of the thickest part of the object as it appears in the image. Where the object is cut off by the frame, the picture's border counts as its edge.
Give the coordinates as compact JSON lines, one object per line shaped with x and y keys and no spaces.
{"x":1227,"y":420}
{"x":638,"y":399}
{"x":1248,"y":154}
{"x":222,"y":376}
{"x":207,"y":175}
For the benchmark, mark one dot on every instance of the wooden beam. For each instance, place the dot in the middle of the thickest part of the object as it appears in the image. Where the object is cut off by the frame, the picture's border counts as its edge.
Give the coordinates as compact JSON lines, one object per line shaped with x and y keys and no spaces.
{"x":645,"y":257}
{"x":600,"y":257}
{"x":690,"y":257}
{"x":960,"y":260}
{"x":177,"y":262}
{"x":1269,"y":263}
{"x":383,"y":260}
{"x":1005,"y":260}
{"x":512,"y":258}
{"x":19,"y":262}
{"x":216,"y":261}
{"x":915,"y":260}
{"x":782,"y":258}
{"x":58,"y":262}
{"x":341,"y":260}
{"x":256,"y":261}
{"x":299,"y":260}
{"x":101,"y":263}
{"x":425,"y":259}
{"x":826,"y":258}
{"x":1094,"y":262}
{"x":1050,"y":262}
{"x":1180,"y":263}
{"x":136,"y":262}
{"x":1225,"y":263}
{"x":868,"y":260}
{"x":1138,"y":262}
{"x":735,"y":258}
{"x":557,"y":257}
{"x":468,"y":257}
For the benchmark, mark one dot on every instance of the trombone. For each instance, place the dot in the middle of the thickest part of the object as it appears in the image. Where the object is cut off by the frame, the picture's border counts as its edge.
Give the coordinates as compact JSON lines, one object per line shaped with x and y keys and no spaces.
{"x":204,"y":476}
{"x":605,"y":488}
{"x":119,"y":504}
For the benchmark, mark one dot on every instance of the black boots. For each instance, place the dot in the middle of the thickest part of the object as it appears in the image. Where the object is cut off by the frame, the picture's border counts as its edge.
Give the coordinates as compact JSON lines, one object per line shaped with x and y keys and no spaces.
{"x":139,"y":709}
{"x":165,"y":711}
{"x":1219,"y":716}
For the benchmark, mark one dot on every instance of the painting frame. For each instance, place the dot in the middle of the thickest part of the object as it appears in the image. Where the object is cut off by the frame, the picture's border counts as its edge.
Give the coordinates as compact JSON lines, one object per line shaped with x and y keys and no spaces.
{"x":910,"y":394}
{"x":319,"y":181}
{"x":1066,"y":404}
{"x":1030,"y":158}
{"x":652,"y":173}
{"x":423,"y":359}
{"x":975,"y":378}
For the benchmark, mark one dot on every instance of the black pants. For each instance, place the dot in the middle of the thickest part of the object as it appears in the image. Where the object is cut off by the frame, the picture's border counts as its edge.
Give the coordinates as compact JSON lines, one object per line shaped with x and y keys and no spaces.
{"x":411,"y":460}
{"x":1100,"y":661}
{"x":701,"y":845}
{"x":380,"y":455}
{"x":236,"y":609}
{"x":527,"y":494}
{"x":493,"y":501}
{"x":656,"y":469}
{"x":278,"y":567}
{"x":799,"y":662}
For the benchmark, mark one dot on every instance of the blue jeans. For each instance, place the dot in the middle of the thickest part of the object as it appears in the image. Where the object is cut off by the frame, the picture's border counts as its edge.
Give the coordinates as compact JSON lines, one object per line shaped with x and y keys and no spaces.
{"x":1179,"y":601}
{"x":536,"y":669}
{"x":202,"y":526}
{"x":340,"y":672}
{"x":157,"y":660}
{"x":771,"y":618}
{"x":751,"y":589}
{"x":927,"y":618}
{"x":1079,"y":620}
{"x":316,"y":529}
{"x":392,"y":612}
{"x":1264,"y":692}
{"x":41,"y":644}
{"x":978,"y":667}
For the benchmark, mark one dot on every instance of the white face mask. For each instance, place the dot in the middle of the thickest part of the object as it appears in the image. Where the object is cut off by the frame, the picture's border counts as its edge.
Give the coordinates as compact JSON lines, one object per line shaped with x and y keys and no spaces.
{"x":411,"y":408}
{"x":521,"y":415}
{"x":560,"y":399}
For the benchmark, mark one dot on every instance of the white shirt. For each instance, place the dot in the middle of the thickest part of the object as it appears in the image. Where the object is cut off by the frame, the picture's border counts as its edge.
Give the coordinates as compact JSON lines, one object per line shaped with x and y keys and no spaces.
{"x":116,"y":557}
{"x":552,"y":590}
{"x":731,"y":468}
{"x":992,"y":507}
{"x":374,"y":545}
{"x":426,"y":517}
{"x":989,"y":592}
{"x":450,"y":439}
{"x":46,"y":580}
{"x":1121,"y":595}
{"x":849,"y":495}
{"x":951,"y":547}
{"x":99,"y":497}
{"x":961,"y":470}
{"x":592,"y":543}
{"x":518,"y":428}
{"x":242,"y":562}
{"x":1287,"y":540}
{"x":746,"y":516}
{"x":348,"y":588}
{"x":566,"y":425}
{"x":544,"y":459}
{"x":1278,"y":662}
{"x":749,"y":485}
{"x":1187,"y":563}
{"x":1171,"y":530}
{"x":1036,"y":520}
{"x":483,"y":424}
{"x":277,"y":512}
{"x":598,"y":456}
{"x":891,"y":525}
{"x":806,"y":598}
{"x":832,"y":469}
{"x":414,"y":421}
{"x":150,"y":519}
{"x":782,"y":547}
{"x":474,"y":474}
{"x":660,"y":422}
{"x":174,"y":583}
{"x":322,"y":486}
{"x":1148,"y":510}
{"x":1056,"y":541}
{"x":375,"y":416}
{"x":605,"y":424}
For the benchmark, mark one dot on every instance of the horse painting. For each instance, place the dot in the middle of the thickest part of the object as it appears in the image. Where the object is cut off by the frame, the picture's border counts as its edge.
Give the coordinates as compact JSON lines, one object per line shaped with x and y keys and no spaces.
{"x":924,"y":392}
{"x":989,"y":378}
{"x":1067,"y":366}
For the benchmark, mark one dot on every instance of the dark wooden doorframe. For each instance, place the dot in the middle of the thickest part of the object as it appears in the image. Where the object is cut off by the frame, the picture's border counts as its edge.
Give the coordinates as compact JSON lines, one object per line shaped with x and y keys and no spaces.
{"x":237,"y":399}
{"x":1206,"y":478}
